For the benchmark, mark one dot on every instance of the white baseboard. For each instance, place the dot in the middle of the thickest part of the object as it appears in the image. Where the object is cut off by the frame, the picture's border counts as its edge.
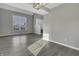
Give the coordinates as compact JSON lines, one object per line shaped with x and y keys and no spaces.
{"x":13,"y":34}
{"x":66,"y":45}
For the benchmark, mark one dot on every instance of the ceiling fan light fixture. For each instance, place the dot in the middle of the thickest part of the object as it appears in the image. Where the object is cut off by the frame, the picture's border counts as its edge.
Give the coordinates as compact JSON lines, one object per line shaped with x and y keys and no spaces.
{"x":39,"y":5}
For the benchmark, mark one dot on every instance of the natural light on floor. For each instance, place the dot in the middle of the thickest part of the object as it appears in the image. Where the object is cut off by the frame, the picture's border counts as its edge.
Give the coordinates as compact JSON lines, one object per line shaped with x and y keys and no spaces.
{"x":46,"y":36}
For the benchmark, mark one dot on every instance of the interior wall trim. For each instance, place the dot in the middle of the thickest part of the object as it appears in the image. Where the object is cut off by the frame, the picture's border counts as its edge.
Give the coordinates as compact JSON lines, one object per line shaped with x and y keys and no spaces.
{"x":14,"y":34}
{"x":66,"y":45}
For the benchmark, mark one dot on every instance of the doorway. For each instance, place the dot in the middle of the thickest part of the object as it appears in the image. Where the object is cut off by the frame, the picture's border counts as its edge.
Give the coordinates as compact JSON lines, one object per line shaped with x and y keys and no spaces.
{"x":38,"y":26}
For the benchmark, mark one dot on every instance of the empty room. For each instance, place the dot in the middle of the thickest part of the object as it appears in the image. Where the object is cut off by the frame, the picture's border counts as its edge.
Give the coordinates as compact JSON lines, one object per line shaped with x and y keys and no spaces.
{"x":39,"y":29}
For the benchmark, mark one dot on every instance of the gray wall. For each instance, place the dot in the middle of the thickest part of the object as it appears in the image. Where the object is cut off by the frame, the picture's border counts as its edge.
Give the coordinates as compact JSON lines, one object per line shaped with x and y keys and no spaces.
{"x":62,"y":24}
{"x":6,"y":26}
{"x":0,"y":23}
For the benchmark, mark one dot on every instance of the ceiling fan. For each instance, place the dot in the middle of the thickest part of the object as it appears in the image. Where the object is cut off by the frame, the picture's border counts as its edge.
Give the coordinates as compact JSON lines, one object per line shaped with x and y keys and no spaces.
{"x":39,"y":5}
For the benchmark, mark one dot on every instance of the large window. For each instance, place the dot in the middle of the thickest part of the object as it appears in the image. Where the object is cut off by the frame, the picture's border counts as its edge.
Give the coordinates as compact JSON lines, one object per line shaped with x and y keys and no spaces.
{"x":19,"y":23}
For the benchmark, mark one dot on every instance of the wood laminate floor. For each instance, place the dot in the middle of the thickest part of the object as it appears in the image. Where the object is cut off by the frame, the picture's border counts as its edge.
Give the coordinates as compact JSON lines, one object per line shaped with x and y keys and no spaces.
{"x":18,"y":46}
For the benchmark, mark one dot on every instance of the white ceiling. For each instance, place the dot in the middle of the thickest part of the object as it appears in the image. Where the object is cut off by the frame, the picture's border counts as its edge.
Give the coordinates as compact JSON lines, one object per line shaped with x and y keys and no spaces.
{"x":28,"y":8}
{"x":8,"y":7}
{"x":52,"y":5}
